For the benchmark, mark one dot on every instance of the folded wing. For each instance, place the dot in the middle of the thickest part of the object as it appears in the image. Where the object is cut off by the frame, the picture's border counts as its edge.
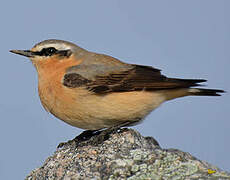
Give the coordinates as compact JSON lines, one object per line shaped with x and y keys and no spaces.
{"x":132,"y":78}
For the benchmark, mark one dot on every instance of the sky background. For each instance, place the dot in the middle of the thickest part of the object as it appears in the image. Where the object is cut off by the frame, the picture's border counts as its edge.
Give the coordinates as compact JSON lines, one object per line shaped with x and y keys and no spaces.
{"x":187,"y":39}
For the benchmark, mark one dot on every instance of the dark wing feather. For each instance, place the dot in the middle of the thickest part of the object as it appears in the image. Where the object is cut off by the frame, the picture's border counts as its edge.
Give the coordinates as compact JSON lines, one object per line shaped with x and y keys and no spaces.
{"x":134,"y":79}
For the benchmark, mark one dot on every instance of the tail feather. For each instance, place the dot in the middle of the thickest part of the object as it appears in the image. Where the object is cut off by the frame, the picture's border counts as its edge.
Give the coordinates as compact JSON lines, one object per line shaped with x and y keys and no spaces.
{"x":205,"y":92}
{"x":192,"y":81}
{"x":187,"y":82}
{"x":197,"y":91}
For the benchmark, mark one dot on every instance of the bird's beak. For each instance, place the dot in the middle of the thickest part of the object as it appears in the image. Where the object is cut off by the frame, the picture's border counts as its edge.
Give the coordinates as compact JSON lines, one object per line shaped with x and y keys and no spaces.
{"x":26,"y":53}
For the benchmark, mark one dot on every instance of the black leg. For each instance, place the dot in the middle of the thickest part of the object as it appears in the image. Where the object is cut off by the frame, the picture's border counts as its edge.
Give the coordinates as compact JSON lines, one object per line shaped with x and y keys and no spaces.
{"x":100,"y":136}
{"x":104,"y":135}
{"x":85,"y":135}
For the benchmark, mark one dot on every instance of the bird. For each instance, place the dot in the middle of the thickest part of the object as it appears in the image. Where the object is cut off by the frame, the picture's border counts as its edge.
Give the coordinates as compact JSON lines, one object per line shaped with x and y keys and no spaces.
{"x":94,"y":91}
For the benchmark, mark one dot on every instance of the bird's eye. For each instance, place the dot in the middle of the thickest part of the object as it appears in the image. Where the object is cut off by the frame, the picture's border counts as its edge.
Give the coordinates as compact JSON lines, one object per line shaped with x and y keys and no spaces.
{"x":48,"y":51}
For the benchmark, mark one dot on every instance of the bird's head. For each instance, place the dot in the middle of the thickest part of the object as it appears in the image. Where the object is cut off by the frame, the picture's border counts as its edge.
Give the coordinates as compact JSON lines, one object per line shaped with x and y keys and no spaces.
{"x":52,"y":50}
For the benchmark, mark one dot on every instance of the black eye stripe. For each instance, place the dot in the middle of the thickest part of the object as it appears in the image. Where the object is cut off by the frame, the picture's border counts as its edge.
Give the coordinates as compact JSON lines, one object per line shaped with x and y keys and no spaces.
{"x":48,"y":51}
{"x":51,"y":51}
{"x":66,"y":53}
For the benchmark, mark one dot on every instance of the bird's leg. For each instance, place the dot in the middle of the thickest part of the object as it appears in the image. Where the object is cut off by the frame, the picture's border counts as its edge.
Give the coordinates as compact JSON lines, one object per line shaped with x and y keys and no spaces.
{"x":101,"y":136}
{"x":85,"y":135}
{"x":104,"y":135}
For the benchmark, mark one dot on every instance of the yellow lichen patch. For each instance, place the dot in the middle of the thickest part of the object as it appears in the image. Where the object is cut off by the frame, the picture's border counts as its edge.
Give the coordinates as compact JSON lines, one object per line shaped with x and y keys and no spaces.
{"x":210,"y":171}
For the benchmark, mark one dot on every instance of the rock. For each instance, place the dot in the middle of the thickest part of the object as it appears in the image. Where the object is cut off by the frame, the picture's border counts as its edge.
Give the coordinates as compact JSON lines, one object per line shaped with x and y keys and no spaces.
{"x":124,"y":155}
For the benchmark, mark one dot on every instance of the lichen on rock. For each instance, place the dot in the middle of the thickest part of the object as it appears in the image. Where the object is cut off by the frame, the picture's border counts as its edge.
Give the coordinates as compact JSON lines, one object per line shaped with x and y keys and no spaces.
{"x":124,"y":155}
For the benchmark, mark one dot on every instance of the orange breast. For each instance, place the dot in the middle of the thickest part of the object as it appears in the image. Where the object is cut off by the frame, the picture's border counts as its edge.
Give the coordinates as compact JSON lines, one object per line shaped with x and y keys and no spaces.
{"x":54,"y":96}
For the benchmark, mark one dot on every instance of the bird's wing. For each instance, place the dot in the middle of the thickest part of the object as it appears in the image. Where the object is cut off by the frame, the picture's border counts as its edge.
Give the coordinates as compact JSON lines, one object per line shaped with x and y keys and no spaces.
{"x":103,"y":79}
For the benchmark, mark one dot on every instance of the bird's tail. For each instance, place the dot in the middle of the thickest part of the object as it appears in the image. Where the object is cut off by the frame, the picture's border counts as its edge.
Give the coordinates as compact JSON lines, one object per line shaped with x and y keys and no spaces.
{"x":181,"y":92}
{"x":204,"y":92}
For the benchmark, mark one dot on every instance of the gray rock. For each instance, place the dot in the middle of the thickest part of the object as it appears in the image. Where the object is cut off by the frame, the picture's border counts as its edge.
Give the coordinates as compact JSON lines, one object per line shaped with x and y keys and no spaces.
{"x":124,"y":155}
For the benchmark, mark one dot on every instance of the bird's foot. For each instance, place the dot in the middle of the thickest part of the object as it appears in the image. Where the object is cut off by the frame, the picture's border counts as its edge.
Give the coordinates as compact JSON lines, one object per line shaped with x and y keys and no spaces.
{"x":84,"y":136}
{"x":99,"y":136}
{"x":105,"y":134}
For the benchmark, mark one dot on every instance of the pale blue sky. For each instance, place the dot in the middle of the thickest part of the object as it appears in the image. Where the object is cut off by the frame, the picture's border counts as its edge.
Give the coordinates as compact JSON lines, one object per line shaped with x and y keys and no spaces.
{"x":187,"y":39}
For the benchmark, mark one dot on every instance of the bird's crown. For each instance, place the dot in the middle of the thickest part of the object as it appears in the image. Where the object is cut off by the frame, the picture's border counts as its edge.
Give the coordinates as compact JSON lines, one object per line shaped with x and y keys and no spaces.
{"x":53,"y":43}
{"x":53,"y":46}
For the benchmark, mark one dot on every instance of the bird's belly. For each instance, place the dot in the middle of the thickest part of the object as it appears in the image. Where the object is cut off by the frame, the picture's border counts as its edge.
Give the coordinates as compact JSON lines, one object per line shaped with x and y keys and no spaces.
{"x":85,"y":110}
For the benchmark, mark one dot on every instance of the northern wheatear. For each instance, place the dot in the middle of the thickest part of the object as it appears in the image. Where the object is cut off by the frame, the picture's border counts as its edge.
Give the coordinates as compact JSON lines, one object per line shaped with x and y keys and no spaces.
{"x":95,"y":91}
